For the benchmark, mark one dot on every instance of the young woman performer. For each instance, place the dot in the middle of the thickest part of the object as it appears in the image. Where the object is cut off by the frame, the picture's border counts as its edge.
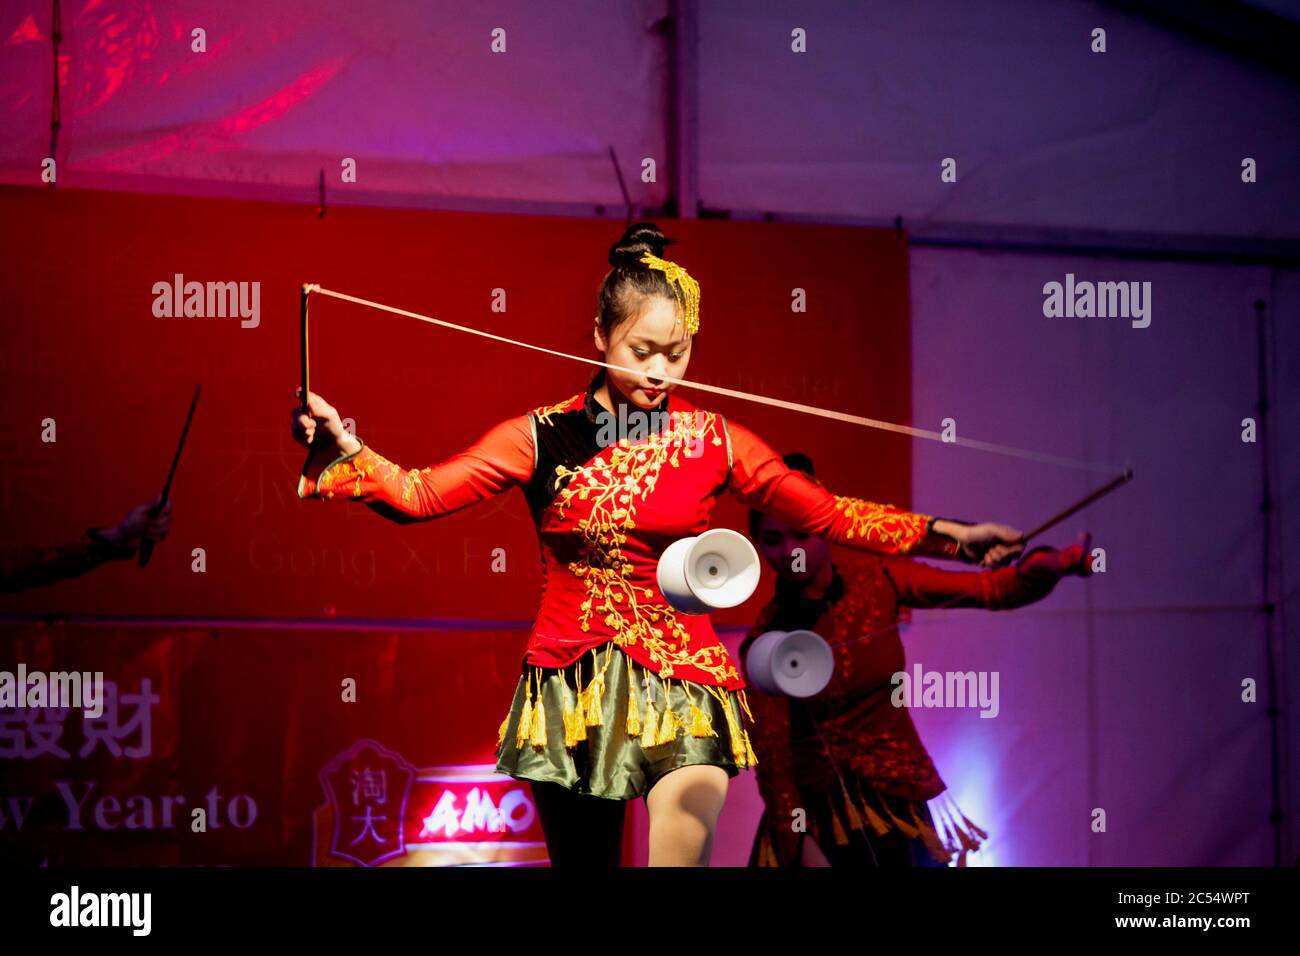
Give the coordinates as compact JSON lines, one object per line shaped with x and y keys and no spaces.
{"x":621,"y":696}
{"x":848,"y":757}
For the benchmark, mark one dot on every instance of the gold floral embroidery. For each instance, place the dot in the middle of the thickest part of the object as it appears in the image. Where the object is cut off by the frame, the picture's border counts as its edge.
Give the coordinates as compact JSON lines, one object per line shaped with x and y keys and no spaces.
{"x":337,"y":474}
{"x":615,"y":481}
{"x":881,"y":523}
{"x":544,"y":413}
{"x":363,"y":465}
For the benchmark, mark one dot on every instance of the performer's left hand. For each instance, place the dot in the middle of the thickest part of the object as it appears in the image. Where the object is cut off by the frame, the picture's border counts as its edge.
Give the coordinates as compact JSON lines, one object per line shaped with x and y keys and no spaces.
{"x":989,"y":544}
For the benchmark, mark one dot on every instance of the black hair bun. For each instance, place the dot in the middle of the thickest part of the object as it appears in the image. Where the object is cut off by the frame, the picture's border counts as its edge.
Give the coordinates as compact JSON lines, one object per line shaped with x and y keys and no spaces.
{"x":798,"y":461}
{"x":638,"y":239}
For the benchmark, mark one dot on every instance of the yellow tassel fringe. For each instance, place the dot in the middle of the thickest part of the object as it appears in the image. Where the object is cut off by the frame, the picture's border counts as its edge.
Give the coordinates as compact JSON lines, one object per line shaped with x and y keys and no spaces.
{"x":538,"y":736}
{"x":651,"y":727}
{"x":851,"y":811}
{"x":525,"y":718}
{"x":575,"y":720}
{"x":592,"y":697}
{"x":701,"y":723}
{"x":837,"y":828}
{"x":668,"y":729}
{"x":633,"y":726}
{"x":650,"y":724}
{"x":946,"y":839}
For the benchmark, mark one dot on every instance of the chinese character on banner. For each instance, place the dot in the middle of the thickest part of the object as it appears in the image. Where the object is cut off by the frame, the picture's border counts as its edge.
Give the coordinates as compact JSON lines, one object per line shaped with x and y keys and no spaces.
{"x":111,"y":731}
{"x":26,"y":734}
{"x":258,"y":470}
{"x":368,"y":787}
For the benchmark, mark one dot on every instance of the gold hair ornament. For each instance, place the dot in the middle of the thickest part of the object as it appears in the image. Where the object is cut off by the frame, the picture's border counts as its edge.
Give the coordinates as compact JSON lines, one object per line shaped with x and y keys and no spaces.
{"x":688,"y":290}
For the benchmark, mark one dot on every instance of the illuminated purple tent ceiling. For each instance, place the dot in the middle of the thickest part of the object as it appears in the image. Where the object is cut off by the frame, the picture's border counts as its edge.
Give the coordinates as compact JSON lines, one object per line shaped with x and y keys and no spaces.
{"x":1041,"y":127}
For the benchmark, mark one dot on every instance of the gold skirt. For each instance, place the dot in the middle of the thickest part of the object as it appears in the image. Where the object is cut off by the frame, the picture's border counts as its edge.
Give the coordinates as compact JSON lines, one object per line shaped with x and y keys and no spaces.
{"x":607,"y":726}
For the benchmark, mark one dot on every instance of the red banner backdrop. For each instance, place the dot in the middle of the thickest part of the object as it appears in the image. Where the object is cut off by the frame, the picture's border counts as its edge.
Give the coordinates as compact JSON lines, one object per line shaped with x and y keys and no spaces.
{"x":232,"y":647}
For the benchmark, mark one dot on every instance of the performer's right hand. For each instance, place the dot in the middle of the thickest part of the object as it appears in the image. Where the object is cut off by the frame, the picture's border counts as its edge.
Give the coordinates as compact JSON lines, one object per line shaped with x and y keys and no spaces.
{"x":325,"y":417}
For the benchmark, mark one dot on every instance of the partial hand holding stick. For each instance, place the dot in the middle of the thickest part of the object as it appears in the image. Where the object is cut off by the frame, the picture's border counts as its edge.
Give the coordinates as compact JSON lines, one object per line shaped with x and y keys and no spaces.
{"x":307,"y":289}
{"x":987,"y":544}
{"x":321,"y":430}
{"x":164,"y":500}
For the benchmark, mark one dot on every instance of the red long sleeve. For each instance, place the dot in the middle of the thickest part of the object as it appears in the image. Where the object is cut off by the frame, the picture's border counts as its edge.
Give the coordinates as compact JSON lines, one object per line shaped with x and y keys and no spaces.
{"x":498,"y":461}
{"x":761,"y":480}
{"x":923,"y":586}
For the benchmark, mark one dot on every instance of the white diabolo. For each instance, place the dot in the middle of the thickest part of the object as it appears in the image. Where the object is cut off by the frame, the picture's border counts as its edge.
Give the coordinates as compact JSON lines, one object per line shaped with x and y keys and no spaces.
{"x":790,"y":663}
{"x":703,"y":573}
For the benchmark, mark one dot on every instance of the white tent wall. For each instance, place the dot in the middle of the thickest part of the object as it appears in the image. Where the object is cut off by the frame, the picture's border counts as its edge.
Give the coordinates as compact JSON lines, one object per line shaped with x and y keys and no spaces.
{"x":1123,"y":693}
{"x":1286,"y":500}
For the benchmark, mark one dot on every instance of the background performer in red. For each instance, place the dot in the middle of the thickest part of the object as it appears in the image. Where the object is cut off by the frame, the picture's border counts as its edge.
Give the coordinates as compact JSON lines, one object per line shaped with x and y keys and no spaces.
{"x":848,"y":757}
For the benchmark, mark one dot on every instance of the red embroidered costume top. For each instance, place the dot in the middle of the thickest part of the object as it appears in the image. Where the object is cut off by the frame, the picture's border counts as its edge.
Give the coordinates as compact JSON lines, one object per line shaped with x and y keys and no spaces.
{"x":605,"y":512}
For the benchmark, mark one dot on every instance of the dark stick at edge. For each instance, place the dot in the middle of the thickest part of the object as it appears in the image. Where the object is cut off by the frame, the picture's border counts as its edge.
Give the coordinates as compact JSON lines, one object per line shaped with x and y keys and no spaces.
{"x":306,"y":292}
{"x":146,"y":546}
{"x":1082,"y":503}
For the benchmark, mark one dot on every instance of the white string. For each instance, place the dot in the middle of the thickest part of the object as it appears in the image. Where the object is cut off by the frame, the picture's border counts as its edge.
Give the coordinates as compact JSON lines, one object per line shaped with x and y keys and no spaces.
{"x":996,"y":449}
